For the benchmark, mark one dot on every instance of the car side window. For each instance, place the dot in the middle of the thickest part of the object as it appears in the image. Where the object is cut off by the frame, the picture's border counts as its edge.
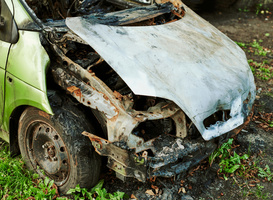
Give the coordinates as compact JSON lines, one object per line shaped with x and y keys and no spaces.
{"x":8,"y":28}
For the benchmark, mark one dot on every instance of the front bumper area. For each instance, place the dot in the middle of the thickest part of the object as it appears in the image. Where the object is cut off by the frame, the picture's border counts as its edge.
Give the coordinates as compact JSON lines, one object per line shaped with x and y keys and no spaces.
{"x":173,"y":156}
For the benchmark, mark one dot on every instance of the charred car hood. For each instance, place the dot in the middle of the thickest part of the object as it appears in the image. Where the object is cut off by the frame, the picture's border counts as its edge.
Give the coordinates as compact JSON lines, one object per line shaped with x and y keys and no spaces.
{"x":188,"y":61}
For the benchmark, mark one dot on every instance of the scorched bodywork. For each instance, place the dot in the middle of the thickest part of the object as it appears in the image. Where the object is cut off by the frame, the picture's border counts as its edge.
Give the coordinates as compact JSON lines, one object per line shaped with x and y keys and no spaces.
{"x":154,"y":87}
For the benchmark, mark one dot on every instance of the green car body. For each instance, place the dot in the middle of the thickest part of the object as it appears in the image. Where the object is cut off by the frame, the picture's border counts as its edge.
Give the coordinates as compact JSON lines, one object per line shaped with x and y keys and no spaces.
{"x":23,"y":68}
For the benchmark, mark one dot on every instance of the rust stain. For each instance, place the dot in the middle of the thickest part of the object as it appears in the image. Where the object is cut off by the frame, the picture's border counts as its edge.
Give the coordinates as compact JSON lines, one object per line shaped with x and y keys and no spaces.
{"x":44,"y":114}
{"x":78,"y":93}
{"x":179,"y":120}
{"x":71,"y":89}
{"x":75,"y":90}
{"x":139,"y":143}
{"x":115,"y":117}
{"x":171,"y":21}
{"x":97,"y":140}
{"x":105,"y":97}
{"x":117,"y":95}
{"x":180,"y":15}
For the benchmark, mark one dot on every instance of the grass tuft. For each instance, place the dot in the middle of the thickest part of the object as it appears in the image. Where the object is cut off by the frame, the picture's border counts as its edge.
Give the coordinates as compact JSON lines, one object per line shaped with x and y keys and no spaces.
{"x":16,"y":182}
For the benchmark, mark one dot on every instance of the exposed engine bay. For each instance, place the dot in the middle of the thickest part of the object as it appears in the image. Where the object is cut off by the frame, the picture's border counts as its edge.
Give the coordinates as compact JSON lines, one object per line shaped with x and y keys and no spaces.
{"x":137,"y":65}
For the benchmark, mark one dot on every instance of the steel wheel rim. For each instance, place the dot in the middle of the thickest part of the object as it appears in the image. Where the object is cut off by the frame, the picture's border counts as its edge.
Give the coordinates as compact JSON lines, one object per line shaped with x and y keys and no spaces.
{"x":47,"y":152}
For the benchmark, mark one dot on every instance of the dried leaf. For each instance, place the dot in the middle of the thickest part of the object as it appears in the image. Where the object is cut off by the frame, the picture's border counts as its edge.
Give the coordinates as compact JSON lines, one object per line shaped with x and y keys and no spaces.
{"x":150,"y":192}
{"x":180,"y":190}
{"x":133,"y":196}
{"x":155,"y":188}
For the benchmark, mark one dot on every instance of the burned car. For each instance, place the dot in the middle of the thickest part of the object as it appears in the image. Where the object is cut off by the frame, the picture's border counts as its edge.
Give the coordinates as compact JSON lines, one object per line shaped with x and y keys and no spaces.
{"x":154,"y":88}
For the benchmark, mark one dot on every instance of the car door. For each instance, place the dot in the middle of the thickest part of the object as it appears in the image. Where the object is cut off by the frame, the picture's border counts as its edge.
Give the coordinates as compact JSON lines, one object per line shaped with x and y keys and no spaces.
{"x":8,"y":36}
{"x":4,"y":48}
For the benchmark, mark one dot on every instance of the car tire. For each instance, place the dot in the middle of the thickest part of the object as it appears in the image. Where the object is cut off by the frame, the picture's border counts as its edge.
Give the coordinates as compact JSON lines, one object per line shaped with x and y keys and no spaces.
{"x":53,"y":146}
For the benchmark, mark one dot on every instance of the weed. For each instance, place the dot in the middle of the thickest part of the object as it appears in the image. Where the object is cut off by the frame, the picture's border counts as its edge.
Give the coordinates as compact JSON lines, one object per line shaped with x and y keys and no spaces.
{"x":232,"y":163}
{"x":261,"y":70}
{"x":259,"y":8}
{"x":259,"y":50}
{"x":265,"y":173}
{"x":251,"y":66}
{"x":223,"y":150}
{"x":259,"y":192}
{"x":241,"y":44}
{"x":18,"y":183}
{"x":228,"y":163}
{"x":243,"y":9}
{"x":97,"y":191}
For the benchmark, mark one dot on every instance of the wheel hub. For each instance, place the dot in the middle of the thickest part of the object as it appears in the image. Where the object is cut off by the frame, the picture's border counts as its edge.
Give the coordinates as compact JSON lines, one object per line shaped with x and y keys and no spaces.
{"x":49,"y":153}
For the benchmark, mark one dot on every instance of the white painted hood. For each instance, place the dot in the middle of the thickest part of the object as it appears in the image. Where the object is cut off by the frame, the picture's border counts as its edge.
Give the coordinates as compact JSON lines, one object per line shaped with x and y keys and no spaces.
{"x":188,"y":61}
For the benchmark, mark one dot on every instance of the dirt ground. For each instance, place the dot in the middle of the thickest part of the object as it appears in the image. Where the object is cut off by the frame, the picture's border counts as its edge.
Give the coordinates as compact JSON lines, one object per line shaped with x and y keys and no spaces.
{"x":203,"y":182}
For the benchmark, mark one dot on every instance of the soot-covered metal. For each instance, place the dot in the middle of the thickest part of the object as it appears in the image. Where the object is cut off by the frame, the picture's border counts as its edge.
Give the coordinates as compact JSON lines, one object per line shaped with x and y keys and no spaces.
{"x":164,"y":85}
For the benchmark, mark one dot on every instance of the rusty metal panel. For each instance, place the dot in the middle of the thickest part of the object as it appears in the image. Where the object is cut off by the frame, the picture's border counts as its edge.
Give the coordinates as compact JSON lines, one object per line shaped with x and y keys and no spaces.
{"x":188,"y":61}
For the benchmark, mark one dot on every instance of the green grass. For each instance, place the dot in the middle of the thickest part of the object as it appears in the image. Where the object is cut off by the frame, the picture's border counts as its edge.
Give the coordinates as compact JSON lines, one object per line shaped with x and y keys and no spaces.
{"x":245,"y":170}
{"x":261,"y":70}
{"x":258,"y":49}
{"x":16,"y":182}
{"x":255,"y":47}
{"x":230,"y":162}
{"x":97,"y":192}
{"x":265,"y":173}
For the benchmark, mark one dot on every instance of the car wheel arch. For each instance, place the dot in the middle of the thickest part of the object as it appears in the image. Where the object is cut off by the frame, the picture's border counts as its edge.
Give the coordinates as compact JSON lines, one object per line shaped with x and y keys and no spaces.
{"x":13,"y":129}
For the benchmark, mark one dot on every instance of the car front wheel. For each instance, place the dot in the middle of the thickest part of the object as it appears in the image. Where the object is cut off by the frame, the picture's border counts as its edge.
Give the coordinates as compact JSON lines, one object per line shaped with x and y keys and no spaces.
{"x":53,"y":146}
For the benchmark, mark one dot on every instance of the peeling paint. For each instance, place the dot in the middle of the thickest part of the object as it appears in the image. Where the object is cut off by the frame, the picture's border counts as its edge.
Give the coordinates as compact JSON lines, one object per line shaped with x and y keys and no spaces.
{"x":152,"y":100}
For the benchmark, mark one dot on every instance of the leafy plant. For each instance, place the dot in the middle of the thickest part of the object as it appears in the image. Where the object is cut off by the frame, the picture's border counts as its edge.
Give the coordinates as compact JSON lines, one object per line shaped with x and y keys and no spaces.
{"x":265,"y":173}
{"x":259,"y":8}
{"x":259,"y":50}
{"x":228,"y":163}
{"x":259,"y":192}
{"x":18,"y":183}
{"x":232,"y":163}
{"x":98,"y":192}
{"x":241,"y":44}
{"x":261,"y":70}
{"x":223,"y":151}
{"x":243,"y":9}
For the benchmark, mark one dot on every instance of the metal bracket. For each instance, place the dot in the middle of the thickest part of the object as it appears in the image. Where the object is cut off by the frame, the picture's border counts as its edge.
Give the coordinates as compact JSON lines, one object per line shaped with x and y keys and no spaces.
{"x":125,"y":162}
